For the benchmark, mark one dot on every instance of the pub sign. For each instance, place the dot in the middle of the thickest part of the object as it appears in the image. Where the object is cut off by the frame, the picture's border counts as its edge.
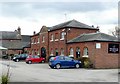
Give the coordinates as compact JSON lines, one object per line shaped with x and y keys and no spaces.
{"x":113,"y":48}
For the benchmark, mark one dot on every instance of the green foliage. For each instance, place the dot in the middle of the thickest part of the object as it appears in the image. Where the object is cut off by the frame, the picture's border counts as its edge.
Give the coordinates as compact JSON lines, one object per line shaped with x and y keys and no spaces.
{"x":86,"y":63}
{"x":4,"y":79}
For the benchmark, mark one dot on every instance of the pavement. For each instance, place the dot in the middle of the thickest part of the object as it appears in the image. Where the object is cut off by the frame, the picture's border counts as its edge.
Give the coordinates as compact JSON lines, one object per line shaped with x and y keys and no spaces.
{"x":22,"y":72}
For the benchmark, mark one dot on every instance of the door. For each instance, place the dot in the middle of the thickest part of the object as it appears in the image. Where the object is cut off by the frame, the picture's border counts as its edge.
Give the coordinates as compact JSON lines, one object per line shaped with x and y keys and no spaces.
{"x":69,"y":62}
{"x":43,"y":52}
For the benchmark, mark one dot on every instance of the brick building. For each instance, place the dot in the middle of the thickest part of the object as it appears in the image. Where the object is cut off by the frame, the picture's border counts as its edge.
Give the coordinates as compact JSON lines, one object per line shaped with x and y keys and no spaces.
{"x":102,"y":49}
{"x":14,"y":41}
{"x":76,"y":39}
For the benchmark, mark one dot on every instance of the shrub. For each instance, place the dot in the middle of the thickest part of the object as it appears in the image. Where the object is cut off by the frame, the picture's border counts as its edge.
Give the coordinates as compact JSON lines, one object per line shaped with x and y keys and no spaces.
{"x":5,"y":77}
{"x":86,"y":63}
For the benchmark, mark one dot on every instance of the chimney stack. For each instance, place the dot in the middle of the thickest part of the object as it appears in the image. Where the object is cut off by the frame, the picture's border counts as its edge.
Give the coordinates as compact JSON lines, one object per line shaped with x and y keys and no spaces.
{"x":19,"y":30}
{"x":92,"y":25}
{"x":34,"y":33}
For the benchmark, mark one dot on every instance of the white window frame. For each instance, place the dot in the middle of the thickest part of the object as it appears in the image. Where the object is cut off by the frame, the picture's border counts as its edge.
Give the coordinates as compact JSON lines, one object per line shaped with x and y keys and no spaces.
{"x":51,"y":54}
{"x":71,"y":52}
{"x":85,"y":51}
{"x":62,"y":36}
{"x":52,"y":38}
{"x":62,"y":52}
{"x":43,"y":39}
{"x":38,"y":40}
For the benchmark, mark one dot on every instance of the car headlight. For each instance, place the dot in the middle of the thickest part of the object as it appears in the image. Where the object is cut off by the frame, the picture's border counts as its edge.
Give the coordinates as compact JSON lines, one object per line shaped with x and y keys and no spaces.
{"x":14,"y":57}
{"x":79,"y":61}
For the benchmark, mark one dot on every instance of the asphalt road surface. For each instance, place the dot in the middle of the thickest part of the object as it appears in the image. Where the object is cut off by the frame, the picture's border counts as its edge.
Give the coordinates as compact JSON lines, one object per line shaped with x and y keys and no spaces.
{"x":22,"y":72}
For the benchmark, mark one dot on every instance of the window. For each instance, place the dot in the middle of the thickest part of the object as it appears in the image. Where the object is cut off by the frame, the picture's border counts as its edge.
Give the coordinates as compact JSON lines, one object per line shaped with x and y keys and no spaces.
{"x":62,"y":36}
{"x":56,"y":36}
{"x":34,"y":40}
{"x":51,"y":37}
{"x":36,"y":56}
{"x":68,"y":59}
{"x":51,"y":54}
{"x":62,"y":52}
{"x":85,"y":51}
{"x":38,"y":40}
{"x":56,"y":52}
{"x":43,"y":39}
{"x":32,"y":51}
{"x":38,"y":52}
{"x":77,"y":52}
{"x":71,"y":52}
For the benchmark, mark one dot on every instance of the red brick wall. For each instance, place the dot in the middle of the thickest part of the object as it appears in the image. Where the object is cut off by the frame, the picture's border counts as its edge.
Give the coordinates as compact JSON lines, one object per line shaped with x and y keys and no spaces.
{"x":45,"y":43}
{"x":99,"y":57}
{"x":74,"y":32}
{"x":35,"y":45}
{"x":57,"y":43}
{"x":103,"y":59}
{"x":70,"y":34}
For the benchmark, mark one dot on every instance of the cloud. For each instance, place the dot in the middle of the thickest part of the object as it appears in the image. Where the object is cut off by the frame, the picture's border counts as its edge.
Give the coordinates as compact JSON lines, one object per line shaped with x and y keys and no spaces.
{"x":22,"y":10}
{"x":33,"y":15}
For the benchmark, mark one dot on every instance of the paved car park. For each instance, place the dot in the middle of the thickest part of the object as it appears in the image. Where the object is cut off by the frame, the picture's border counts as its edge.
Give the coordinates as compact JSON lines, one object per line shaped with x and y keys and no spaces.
{"x":22,"y":72}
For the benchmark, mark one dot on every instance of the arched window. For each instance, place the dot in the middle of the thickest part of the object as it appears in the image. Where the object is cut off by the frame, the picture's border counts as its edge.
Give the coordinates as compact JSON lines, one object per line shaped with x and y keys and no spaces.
{"x":77,"y":52}
{"x":71,"y":52}
{"x":56,"y":52}
{"x":85,"y":51}
{"x":62,"y":52}
{"x":51,"y":54}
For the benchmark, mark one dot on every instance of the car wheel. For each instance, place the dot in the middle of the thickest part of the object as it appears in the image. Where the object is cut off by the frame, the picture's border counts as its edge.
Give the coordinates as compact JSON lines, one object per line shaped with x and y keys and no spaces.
{"x":58,"y":66}
{"x":29,"y":62}
{"x":17,"y":60}
{"x":43,"y":61}
{"x":77,"y":66}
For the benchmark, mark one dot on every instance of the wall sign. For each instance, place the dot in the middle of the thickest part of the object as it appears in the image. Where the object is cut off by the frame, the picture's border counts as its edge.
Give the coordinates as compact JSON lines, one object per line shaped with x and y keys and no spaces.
{"x":98,"y":45}
{"x":113,"y":48}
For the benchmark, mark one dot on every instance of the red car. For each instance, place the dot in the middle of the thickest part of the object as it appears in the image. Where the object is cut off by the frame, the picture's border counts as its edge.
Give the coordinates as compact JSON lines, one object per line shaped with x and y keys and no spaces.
{"x":34,"y":59}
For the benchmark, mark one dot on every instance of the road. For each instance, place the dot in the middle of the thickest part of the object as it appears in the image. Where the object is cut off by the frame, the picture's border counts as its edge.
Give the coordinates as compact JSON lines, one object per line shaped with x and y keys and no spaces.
{"x":22,"y":72}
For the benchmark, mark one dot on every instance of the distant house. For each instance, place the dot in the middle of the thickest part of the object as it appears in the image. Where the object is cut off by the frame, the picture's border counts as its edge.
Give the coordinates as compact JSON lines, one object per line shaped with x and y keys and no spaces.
{"x":14,"y":41}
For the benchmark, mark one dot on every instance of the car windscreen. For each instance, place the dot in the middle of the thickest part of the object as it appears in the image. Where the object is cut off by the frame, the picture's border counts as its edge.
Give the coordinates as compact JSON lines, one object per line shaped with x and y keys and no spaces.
{"x":51,"y":59}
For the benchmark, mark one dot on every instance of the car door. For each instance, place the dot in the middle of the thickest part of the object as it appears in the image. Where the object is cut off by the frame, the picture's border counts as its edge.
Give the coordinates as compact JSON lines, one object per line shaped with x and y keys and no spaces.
{"x":62,"y":61}
{"x":69,"y":62}
{"x":37,"y":58}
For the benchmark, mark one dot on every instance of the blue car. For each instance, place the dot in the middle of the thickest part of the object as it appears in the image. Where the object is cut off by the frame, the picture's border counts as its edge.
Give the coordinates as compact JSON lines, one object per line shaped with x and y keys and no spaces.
{"x":63,"y":62}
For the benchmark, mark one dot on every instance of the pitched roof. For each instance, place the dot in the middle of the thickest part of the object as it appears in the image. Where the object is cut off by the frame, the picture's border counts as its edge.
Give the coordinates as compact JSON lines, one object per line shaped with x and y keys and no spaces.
{"x":17,"y":44}
{"x":9,"y":35}
{"x":94,"y":37}
{"x":73,"y":24}
{"x":25,"y":38}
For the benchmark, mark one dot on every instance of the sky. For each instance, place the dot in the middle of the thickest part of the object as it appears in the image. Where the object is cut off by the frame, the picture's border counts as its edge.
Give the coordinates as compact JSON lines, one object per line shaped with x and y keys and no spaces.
{"x":31,"y":16}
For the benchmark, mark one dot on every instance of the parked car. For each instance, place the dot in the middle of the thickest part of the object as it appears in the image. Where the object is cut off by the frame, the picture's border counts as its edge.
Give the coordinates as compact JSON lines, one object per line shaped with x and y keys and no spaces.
{"x":50,"y":57}
{"x":63,"y":62}
{"x":20,"y":57}
{"x":34,"y":59}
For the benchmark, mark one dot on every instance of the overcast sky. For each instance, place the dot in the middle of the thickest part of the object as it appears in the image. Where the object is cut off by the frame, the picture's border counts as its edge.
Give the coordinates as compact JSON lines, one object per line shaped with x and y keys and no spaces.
{"x":31,"y":16}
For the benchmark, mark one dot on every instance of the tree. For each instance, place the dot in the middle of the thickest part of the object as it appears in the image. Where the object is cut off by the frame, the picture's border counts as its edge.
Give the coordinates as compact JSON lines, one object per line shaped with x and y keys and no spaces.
{"x":115,"y":32}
